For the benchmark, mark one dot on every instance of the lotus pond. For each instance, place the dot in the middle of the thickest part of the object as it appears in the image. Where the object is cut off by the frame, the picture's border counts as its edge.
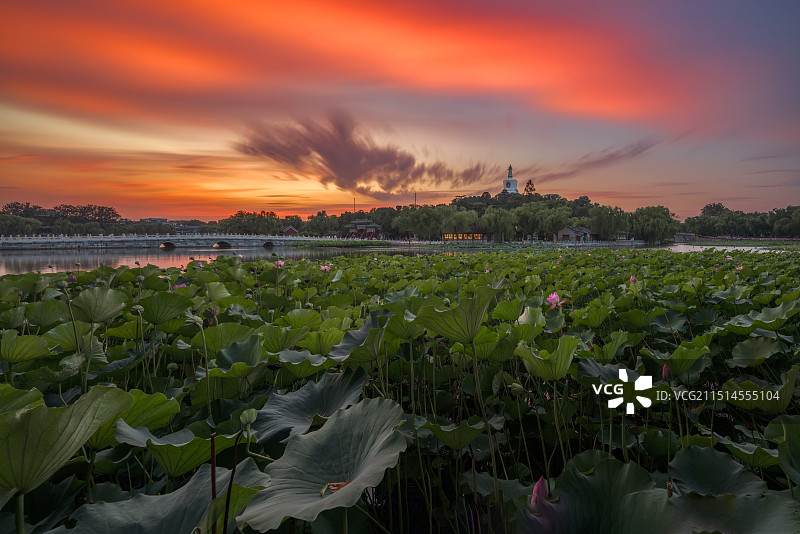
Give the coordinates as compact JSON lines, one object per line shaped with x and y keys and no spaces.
{"x":561,"y":392}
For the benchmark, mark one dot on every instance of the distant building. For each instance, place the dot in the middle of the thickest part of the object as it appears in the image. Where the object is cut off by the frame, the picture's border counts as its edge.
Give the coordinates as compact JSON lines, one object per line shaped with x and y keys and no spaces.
{"x":290,"y":230}
{"x":363,"y":229}
{"x":510,"y":184}
{"x":576,"y":234}
{"x":154,"y":220}
{"x":473,"y":235}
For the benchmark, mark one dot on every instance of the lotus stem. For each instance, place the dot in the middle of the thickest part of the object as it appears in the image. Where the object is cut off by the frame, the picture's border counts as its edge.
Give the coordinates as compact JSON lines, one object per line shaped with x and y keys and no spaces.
{"x":19,"y":518}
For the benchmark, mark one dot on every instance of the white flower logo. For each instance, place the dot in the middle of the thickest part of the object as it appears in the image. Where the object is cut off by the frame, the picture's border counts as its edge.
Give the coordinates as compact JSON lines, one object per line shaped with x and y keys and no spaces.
{"x":642,"y":383}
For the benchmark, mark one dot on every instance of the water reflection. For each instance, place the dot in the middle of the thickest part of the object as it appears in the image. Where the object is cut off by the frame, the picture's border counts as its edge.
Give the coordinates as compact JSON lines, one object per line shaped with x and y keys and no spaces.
{"x":23,"y":261}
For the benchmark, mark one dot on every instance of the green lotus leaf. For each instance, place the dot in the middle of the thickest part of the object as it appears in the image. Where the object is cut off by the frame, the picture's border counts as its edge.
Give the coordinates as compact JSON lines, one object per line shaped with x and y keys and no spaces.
{"x":755,"y":393}
{"x":507,"y":310}
{"x":12,"y":399}
{"x":14,"y":317}
{"x":179,"y":511}
{"x":46,"y":313}
{"x":36,"y":442}
{"x":752,"y":352}
{"x":15,"y":348}
{"x":302,"y":363}
{"x":176,"y":453}
{"x":459,"y":324}
{"x":706,"y":471}
{"x":150,"y":411}
{"x":164,"y":306}
{"x":302,"y":317}
{"x":248,"y":352}
{"x":98,"y":305}
{"x":220,"y":337}
{"x":682,"y":359}
{"x":363,"y":344}
{"x":331,"y":467}
{"x":753,"y":455}
{"x":768,"y":318}
{"x":127,"y":330}
{"x":591,"y":317}
{"x":654,"y":512}
{"x":277,"y":338}
{"x":789,"y":446}
{"x":608,"y":352}
{"x":205,"y":277}
{"x":458,"y":436}
{"x":321,"y":342}
{"x":63,"y":335}
{"x":293,"y":413}
{"x":549,"y":366}
{"x":639,"y":319}
{"x":216,"y":291}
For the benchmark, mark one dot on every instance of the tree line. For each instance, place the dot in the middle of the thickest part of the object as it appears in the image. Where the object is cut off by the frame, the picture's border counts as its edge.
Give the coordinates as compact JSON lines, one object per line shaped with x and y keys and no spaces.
{"x":508,"y":216}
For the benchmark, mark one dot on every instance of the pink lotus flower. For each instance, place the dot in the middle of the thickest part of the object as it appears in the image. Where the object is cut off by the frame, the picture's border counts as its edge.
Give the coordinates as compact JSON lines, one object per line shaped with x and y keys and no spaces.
{"x":199,"y":263}
{"x":666,"y":373}
{"x":280,"y":263}
{"x":176,"y":286}
{"x":553,"y":300}
{"x":539,"y":497}
{"x":325,"y":268}
{"x":740,"y":267}
{"x":633,"y":279}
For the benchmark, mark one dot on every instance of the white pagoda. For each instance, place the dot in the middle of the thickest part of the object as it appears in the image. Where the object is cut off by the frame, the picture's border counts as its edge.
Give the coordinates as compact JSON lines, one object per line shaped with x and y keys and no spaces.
{"x":510,"y":184}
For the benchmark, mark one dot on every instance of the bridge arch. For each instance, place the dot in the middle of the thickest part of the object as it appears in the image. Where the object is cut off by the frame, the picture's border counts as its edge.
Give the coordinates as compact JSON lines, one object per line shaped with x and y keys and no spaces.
{"x":167,"y":245}
{"x":269,"y":245}
{"x":222,"y":245}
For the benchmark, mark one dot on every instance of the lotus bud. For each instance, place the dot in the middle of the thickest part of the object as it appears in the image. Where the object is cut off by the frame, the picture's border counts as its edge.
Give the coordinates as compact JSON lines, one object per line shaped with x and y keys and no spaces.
{"x":539,"y":497}
{"x":248,"y":417}
{"x":666,"y":373}
{"x":72,"y":279}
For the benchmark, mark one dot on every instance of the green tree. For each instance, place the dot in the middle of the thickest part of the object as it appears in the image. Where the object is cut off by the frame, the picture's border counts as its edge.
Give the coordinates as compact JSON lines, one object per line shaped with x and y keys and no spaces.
{"x":711,"y":210}
{"x":16,"y":225}
{"x":21,"y":209}
{"x":608,"y":222}
{"x":244,"y":222}
{"x":653,"y":224}
{"x":500,"y":221}
{"x":320,"y":224}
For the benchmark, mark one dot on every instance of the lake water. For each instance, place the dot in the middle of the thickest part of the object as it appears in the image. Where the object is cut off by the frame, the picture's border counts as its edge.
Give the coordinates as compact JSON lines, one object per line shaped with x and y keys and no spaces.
{"x":23,"y":261}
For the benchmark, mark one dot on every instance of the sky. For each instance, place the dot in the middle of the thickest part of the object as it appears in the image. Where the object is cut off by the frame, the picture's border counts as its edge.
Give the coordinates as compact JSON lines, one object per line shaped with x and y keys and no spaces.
{"x":198,"y":109}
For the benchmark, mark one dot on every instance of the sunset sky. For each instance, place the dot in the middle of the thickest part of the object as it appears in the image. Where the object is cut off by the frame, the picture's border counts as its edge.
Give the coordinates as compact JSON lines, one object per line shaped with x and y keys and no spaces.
{"x":187,"y":109}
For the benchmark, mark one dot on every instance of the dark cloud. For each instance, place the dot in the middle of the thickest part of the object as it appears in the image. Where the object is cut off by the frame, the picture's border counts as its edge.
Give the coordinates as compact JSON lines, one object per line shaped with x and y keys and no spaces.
{"x":342,"y":153}
{"x":596,"y":160}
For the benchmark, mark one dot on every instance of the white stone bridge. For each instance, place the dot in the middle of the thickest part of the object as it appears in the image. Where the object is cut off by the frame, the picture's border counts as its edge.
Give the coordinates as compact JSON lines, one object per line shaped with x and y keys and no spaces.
{"x":220,"y":241}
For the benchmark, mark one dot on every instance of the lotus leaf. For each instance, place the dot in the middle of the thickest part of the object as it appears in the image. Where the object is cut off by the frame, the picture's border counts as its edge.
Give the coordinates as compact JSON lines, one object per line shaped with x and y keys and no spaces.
{"x":294,"y":413}
{"x":35,"y":442}
{"x":98,"y":305}
{"x":331,"y":467}
{"x":179,"y":511}
{"x":15,"y":348}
